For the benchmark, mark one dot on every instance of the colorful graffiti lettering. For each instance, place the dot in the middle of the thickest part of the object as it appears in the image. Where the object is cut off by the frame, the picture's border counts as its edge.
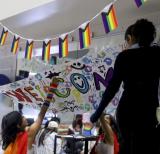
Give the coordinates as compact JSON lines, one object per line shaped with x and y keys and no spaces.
{"x":19,"y":94}
{"x":34,"y":95}
{"x":78,"y":66}
{"x":52,"y":74}
{"x":85,"y":107}
{"x":77,"y":96}
{"x":108,"y":61}
{"x":86,"y":60}
{"x":63,"y":92}
{"x":88,"y":68}
{"x":102,"y":69}
{"x":101,"y":54}
{"x":80,"y":82}
{"x":37,"y":87}
{"x":98,"y":78}
{"x":69,"y":106}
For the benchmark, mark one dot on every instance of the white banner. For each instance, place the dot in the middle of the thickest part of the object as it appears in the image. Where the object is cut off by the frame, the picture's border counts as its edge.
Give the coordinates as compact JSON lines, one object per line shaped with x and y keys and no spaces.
{"x":82,"y":83}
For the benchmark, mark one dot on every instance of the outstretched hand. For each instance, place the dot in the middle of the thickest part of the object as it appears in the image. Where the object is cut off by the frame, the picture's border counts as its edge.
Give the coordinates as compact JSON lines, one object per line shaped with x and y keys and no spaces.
{"x":54,"y":83}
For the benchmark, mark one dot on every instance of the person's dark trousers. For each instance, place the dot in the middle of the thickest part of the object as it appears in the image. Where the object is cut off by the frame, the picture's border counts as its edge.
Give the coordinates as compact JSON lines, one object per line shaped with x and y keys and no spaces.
{"x":158,"y":138}
{"x":141,"y":141}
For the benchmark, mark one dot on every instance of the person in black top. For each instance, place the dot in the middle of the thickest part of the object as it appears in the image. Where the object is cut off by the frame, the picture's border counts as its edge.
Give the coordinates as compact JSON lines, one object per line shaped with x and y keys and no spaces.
{"x":139,"y":69}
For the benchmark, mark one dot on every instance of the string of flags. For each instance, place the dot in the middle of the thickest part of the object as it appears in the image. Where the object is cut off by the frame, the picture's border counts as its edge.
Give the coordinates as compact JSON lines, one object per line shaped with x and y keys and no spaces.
{"x":28,"y":50}
{"x":3,"y":36}
{"x":109,"y":19}
{"x":110,"y":23}
{"x":140,"y":2}
{"x":63,"y":46}
{"x":46,"y":50}
{"x":85,"y":35}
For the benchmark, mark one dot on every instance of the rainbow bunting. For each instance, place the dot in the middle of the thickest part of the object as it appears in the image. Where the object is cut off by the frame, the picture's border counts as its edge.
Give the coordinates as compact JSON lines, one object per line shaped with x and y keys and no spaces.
{"x":85,"y":36}
{"x":15,"y":43}
{"x":46,"y":50}
{"x":3,"y":36}
{"x":63,"y":46}
{"x":28,"y":51}
{"x":140,"y":2}
{"x":109,"y":19}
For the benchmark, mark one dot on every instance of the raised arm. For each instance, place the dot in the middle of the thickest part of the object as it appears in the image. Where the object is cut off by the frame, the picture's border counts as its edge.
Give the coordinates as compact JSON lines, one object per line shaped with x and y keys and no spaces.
{"x":111,"y":90}
{"x":33,"y":129}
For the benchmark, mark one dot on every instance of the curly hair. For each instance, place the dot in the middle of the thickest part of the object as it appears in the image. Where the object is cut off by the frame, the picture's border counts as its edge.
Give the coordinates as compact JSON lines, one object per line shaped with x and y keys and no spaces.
{"x":144,"y":32}
{"x":9,"y":127}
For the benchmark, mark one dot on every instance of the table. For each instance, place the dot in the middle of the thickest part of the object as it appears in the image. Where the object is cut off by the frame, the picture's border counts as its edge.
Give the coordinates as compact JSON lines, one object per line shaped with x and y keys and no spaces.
{"x":74,"y":140}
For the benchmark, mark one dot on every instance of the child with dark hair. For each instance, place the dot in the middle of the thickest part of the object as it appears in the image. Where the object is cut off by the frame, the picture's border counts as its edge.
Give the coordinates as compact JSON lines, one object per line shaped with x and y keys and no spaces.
{"x":17,"y":137}
{"x":109,"y":136}
{"x":116,"y":132}
{"x":45,"y":139}
{"x":139,"y":70}
{"x":75,"y":130}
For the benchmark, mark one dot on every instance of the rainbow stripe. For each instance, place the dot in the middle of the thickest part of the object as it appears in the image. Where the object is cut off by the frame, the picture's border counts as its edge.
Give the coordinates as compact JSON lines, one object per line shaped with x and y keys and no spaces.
{"x":109,"y":20}
{"x":3,"y":36}
{"x":140,"y":2}
{"x":84,"y":36}
{"x":15,"y":44}
{"x":63,"y":47}
{"x":28,"y":51}
{"x":19,"y":146}
{"x":46,"y":50}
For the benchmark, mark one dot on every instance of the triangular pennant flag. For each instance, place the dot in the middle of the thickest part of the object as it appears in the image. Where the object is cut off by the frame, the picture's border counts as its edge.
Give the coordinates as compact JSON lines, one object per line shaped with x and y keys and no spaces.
{"x":63,"y":46}
{"x":15,"y":44}
{"x":85,"y":35}
{"x":109,"y":19}
{"x":46,"y":50}
{"x":140,"y":2}
{"x":3,"y":36}
{"x":28,"y":51}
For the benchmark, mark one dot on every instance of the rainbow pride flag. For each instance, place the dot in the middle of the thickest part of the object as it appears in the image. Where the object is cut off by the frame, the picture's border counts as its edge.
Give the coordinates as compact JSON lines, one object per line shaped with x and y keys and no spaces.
{"x":3,"y":36}
{"x":19,"y":146}
{"x":140,"y":2}
{"x":46,"y":50}
{"x":109,"y":19}
{"x":85,"y":35}
{"x":28,"y":51}
{"x":15,"y":44}
{"x":63,"y":46}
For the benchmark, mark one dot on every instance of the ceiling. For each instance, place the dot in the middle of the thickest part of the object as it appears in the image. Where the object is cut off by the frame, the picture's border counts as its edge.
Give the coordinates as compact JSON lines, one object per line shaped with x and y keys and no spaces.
{"x":9,"y":8}
{"x":61,"y":16}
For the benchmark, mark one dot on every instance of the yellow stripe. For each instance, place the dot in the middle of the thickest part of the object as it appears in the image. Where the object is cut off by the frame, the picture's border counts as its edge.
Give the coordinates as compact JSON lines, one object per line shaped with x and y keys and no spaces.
{"x":110,"y":21}
{"x":85,"y":38}
{"x":87,"y":35}
{"x":4,"y":38}
{"x":47,"y":52}
{"x":29,"y":51}
{"x":65,"y":48}
{"x":15,"y":47}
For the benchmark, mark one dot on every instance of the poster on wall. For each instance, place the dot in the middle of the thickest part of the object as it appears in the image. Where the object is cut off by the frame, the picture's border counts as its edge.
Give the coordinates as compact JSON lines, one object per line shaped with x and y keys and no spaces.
{"x":82,"y":83}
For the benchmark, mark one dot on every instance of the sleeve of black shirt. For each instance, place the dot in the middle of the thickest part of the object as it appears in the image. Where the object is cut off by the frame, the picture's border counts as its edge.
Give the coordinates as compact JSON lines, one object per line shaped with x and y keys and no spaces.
{"x":111,"y":89}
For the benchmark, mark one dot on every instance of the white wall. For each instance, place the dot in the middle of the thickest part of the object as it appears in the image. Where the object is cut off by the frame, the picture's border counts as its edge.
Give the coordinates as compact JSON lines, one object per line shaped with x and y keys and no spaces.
{"x":8,"y":65}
